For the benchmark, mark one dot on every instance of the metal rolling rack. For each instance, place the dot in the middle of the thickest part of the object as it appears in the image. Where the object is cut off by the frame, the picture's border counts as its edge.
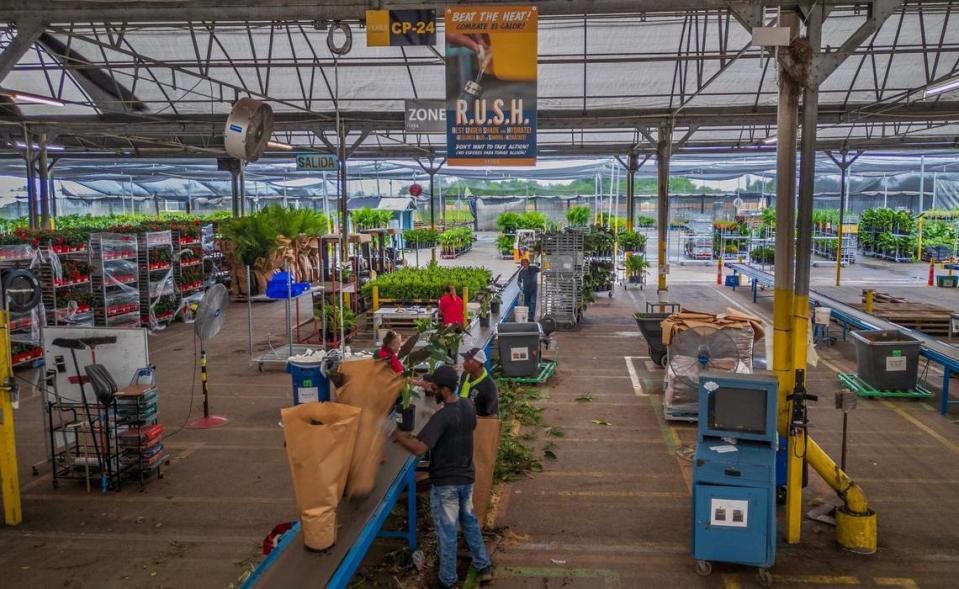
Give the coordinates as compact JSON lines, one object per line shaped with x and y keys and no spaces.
{"x":564,"y":264}
{"x":822,"y":238}
{"x":25,"y":328}
{"x":59,"y":293}
{"x":158,"y":289}
{"x":215,"y":267}
{"x":698,"y":243}
{"x":188,"y":263}
{"x":115,"y":278}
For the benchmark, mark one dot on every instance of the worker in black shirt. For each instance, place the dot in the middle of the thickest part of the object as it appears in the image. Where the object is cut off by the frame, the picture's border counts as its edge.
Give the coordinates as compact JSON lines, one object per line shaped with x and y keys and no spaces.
{"x":449,"y":437}
{"x":528,"y":285}
{"x":477,"y":385}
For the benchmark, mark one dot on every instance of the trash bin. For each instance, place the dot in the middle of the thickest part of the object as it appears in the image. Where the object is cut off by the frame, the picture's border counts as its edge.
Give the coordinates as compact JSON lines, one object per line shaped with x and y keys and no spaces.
{"x":519,"y":348}
{"x":888,"y":359}
{"x":309,"y":383}
{"x":650,"y":324}
{"x":947,"y":281}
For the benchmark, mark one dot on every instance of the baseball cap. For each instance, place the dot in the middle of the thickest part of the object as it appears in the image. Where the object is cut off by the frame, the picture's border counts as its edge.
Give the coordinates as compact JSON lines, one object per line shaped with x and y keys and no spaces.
{"x":474,"y":354}
{"x":444,"y":376}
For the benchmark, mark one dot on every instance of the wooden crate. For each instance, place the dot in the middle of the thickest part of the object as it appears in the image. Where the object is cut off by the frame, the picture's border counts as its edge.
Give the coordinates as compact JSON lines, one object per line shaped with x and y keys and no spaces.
{"x":923,"y":317}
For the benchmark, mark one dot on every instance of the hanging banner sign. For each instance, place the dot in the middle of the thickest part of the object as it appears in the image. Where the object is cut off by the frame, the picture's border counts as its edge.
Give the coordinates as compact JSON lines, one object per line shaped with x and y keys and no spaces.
{"x":425,"y":116}
{"x":394,"y":28}
{"x":315,"y":161}
{"x":491,"y":58}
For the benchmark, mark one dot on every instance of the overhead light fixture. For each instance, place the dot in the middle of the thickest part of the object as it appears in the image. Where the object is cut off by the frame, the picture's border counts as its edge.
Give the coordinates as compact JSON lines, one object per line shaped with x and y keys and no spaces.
{"x":29,"y":97}
{"x":770,"y":140}
{"x":22,"y":145}
{"x":941,"y":87}
{"x":277,"y":145}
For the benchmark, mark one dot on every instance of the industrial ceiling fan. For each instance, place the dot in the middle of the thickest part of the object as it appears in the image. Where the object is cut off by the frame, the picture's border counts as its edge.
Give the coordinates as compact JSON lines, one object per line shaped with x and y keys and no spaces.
{"x":208,"y":322}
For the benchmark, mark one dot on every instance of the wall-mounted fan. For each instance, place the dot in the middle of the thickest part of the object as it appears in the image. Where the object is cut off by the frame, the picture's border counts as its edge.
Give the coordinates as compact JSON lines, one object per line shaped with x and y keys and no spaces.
{"x":248,"y":128}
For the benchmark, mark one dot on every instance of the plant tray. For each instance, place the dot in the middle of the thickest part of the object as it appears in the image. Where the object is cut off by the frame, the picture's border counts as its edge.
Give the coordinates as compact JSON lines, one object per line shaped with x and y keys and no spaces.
{"x":546,"y":370}
{"x":852,"y":382}
{"x":69,"y":249}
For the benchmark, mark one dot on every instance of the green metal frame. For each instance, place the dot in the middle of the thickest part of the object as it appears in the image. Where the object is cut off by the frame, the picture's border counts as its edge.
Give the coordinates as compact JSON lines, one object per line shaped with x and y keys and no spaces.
{"x":854,"y":383}
{"x":546,"y":369}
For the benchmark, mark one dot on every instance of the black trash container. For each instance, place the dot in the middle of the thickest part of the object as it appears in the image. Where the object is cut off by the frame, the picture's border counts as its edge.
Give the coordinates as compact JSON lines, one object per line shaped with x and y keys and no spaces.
{"x":887,"y":359}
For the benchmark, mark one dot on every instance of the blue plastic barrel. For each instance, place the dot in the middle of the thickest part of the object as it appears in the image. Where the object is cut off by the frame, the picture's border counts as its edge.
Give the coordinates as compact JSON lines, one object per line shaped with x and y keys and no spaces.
{"x":309,"y":384}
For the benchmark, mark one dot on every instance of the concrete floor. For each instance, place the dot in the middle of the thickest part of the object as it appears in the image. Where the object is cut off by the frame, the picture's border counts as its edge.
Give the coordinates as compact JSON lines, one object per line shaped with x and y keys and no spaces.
{"x":611,"y":511}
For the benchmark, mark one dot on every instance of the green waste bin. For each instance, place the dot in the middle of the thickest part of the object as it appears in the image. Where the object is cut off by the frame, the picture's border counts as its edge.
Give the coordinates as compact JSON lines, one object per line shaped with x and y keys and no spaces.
{"x":947,"y":281}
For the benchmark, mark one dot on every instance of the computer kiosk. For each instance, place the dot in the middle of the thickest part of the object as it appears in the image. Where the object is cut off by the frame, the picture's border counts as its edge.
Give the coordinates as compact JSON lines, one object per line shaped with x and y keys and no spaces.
{"x":734,"y":473}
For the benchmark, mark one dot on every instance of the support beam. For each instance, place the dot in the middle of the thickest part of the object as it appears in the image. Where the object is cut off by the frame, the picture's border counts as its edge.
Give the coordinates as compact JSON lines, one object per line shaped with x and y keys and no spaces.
{"x":44,"y":183}
{"x":27,"y":35}
{"x":827,"y":63}
{"x":844,"y":163}
{"x":786,"y":129}
{"x":663,"y":152}
{"x":432,"y":169}
{"x":30,"y":159}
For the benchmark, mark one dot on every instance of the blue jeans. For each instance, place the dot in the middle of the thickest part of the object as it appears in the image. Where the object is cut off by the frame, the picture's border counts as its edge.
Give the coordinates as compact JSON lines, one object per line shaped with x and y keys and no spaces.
{"x":529,"y":300}
{"x":452,"y":504}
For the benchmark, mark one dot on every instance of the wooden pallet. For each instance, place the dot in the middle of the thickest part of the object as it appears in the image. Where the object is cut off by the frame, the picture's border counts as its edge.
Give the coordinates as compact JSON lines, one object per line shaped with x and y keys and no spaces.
{"x":923,"y":317}
{"x":884,"y":297}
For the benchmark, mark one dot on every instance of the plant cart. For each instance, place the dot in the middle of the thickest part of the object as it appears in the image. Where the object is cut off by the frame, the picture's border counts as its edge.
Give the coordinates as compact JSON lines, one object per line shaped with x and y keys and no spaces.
{"x":115,"y":279}
{"x":158,"y":289}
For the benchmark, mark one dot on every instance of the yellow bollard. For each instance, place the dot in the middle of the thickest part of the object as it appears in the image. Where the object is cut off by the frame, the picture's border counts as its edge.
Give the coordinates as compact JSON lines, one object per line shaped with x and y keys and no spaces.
{"x":9,"y":475}
{"x":376,"y":298}
{"x":346,"y":301}
{"x":870,"y":297}
{"x":466,"y":302}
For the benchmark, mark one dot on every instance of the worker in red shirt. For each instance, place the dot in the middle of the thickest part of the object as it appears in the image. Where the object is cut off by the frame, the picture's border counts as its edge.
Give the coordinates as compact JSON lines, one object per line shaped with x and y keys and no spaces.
{"x":451,"y":307}
{"x":391,"y":346}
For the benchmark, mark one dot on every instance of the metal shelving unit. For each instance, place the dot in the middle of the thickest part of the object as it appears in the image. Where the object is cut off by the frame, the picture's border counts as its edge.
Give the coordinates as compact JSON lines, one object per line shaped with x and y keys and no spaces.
{"x":158,"y":288}
{"x":67,"y":293}
{"x":823,"y":245}
{"x":115,"y":280}
{"x":564,"y":264}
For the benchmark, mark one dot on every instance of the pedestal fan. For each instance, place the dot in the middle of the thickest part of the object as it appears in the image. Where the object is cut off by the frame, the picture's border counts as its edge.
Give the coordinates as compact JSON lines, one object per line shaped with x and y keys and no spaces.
{"x":209,"y":320}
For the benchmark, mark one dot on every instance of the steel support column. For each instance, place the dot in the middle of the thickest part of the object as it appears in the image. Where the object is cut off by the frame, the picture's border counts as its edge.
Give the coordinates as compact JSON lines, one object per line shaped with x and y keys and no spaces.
{"x":44,"y":183}
{"x":431,"y":171}
{"x":235,"y":192}
{"x":30,"y":160}
{"x":786,"y":127}
{"x":663,"y":151}
{"x":844,"y":164}
{"x":631,"y":167}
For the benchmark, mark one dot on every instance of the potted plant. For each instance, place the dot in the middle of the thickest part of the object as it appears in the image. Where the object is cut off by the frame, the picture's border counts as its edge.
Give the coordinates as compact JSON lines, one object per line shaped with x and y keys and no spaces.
{"x":635,"y":267}
{"x":495,"y":301}
{"x":483,"y":298}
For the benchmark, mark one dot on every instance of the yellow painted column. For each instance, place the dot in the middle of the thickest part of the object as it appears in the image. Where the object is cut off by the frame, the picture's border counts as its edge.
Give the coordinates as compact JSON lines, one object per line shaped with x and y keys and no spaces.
{"x":870,"y":297}
{"x":376,"y":298}
{"x":839,"y":257}
{"x":466,"y":302}
{"x":9,"y":475}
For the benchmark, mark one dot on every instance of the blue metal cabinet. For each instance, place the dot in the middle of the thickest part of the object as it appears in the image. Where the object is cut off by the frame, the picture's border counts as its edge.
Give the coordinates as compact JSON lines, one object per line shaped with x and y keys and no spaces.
{"x":734,"y":473}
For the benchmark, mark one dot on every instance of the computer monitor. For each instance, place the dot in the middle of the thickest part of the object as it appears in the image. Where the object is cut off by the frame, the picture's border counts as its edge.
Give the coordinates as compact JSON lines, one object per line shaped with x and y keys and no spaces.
{"x":738,"y":410}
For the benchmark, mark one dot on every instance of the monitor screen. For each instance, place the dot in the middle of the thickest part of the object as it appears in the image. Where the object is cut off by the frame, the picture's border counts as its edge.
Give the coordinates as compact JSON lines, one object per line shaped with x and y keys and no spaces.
{"x":738,"y":410}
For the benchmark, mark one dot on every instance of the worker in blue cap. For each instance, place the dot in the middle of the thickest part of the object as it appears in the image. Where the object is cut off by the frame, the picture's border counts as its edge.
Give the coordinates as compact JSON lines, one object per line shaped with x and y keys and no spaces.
{"x":448,"y":435}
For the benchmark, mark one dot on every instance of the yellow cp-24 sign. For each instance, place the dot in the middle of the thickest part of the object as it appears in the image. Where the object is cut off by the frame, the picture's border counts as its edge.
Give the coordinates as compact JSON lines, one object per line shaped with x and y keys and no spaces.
{"x":385,"y":28}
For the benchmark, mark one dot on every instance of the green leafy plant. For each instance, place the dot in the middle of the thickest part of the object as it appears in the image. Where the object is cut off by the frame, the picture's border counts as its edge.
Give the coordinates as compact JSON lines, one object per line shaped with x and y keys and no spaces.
{"x":533,"y":220}
{"x":578,"y":215}
{"x":508,"y":222}
{"x":636,"y":264}
{"x":367,"y":218}
{"x":631,"y":241}
{"x":504,"y":244}
{"x":333,"y":318}
{"x":763,"y":254}
{"x":456,"y":240}
{"x":645,"y":221}
{"x":428,"y":283}
{"x":424,"y":237}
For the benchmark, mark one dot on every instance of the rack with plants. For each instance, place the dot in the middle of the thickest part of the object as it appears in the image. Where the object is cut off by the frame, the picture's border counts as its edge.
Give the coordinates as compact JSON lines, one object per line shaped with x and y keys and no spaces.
{"x":730,"y":239}
{"x":887,"y":234}
{"x":940,"y":235}
{"x":158,"y":289}
{"x":115,"y":279}
{"x":631,"y":241}
{"x":509,"y":221}
{"x":456,"y":242}
{"x":420,"y":238}
{"x":426,"y":285}
{"x":329,"y":317}
{"x":504,"y":245}
{"x":215,"y":268}
{"x":825,"y":239}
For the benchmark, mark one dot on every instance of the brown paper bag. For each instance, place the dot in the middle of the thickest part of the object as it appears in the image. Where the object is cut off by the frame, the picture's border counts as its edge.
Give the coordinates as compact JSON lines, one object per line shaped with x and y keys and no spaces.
{"x":372,"y":386}
{"x":320,"y":440}
{"x":485,"y":450}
